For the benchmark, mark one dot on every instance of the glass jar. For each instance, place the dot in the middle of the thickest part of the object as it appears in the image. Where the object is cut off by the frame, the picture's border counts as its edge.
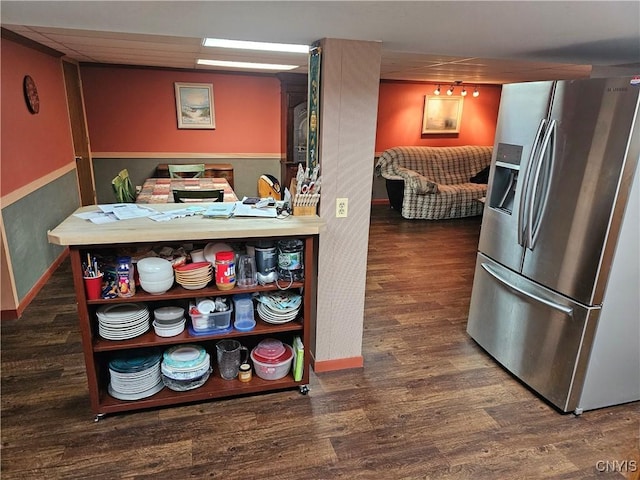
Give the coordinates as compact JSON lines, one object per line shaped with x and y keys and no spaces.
{"x":126,"y":285}
{"x":244,"y":373}
{"x":225,"y":270}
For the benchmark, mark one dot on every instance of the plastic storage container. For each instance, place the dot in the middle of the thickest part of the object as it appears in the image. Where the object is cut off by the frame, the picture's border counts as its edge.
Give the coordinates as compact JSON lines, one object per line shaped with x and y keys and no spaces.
{"x":272,"y":369}
{"x":211,"y":322}
{"x":243,"y":306}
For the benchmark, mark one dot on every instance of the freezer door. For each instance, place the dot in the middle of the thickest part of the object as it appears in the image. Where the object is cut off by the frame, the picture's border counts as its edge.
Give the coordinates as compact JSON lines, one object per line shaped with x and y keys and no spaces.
{"x":520,"y":128}
{"x":575,"y":190}
{"x":544,"y":339}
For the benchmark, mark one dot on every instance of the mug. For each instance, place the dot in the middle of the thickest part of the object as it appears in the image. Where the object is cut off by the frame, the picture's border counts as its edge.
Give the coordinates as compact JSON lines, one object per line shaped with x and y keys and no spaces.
{"x":230,"y":354}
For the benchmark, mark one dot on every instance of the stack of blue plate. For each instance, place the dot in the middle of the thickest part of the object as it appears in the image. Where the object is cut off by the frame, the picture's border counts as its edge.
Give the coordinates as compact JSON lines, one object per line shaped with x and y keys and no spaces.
{"x":135,"y":376}
{"x":279,"y":307}
{"x":185,"y":367}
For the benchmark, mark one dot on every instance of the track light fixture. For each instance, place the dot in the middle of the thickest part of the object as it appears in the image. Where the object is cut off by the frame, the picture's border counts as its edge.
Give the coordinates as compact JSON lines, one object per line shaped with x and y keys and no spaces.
{"x":452,"y":87}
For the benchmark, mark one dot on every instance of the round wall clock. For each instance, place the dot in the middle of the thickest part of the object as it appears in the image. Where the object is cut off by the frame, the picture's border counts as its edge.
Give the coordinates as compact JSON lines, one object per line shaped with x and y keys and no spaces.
{"x":31,"y":94}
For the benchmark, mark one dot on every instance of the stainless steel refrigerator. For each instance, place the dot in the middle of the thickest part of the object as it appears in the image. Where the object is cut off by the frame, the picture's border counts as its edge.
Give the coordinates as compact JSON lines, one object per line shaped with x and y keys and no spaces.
{"x":556,"y":285}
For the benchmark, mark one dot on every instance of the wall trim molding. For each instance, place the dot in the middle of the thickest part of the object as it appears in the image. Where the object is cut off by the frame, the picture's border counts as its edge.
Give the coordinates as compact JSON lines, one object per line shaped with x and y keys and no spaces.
{"x":320,"y":366}
{"x":25,"y":190}
{"x":269,"y":156}
{"x":28,"y":298}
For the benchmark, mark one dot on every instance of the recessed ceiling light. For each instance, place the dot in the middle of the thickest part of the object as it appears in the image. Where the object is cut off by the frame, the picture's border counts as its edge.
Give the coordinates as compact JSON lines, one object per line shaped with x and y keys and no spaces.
{"x":260,"y":66}
{"x":246,"y":45}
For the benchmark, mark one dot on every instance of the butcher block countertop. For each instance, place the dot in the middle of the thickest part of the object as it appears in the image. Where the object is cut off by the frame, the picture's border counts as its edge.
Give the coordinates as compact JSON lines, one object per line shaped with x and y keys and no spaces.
{"x":76,"y":231}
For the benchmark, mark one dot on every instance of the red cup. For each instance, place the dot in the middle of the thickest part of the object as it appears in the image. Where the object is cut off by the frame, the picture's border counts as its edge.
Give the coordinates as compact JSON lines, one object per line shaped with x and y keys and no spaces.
{"x":93,"y":287}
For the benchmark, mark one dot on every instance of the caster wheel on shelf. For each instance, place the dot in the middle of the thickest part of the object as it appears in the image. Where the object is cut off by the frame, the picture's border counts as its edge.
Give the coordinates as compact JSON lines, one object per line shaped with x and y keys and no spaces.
{"x":98,"y":417}
{"x":304,"y":389}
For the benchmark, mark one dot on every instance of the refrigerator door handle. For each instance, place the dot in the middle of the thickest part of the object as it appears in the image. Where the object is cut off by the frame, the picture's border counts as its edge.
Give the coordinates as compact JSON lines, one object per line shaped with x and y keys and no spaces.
{"x":532,"y":235}
{"x":525,"y":186}
{"x":561,"y":308}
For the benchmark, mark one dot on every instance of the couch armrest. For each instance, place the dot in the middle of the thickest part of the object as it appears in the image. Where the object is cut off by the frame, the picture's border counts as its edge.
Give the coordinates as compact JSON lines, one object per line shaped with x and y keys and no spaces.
{"x":413,"y":180}
{"x":421,"y":184}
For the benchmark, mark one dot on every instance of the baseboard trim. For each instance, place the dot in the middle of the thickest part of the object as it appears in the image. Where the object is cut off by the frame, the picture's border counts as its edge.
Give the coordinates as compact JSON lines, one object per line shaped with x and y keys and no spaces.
{"x":337,"y":364}
{"x":28,"y":298}
{"x":380,"y":201}
{"x":9,"y":315}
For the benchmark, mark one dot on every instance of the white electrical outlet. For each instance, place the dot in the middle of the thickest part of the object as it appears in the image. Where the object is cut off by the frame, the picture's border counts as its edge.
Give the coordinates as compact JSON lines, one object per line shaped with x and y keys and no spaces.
{"x":342,"y":205}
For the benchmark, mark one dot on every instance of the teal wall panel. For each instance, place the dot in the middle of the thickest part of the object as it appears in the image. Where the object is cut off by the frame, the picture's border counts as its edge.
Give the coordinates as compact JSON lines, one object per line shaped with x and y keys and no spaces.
{"x":26,"y":223}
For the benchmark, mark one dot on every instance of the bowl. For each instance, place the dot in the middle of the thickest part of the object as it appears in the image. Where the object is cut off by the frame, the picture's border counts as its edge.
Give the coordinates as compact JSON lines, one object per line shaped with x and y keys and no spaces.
{"x":197,"y":255}
{"x":211,"y":249}
{"x":155,"y":277}
{"x":184,"y":385}
{"x":168,"y":313}
{"x":156,"y":288}
{"x":272,"y":371}
{"x":154,"y":265}
{"x":170,"y":330}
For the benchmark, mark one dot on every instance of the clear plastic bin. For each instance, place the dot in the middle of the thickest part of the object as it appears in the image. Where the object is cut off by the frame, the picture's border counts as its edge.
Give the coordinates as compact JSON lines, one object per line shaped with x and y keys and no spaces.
{"x":211,"y":322}
{"x":244,"y":319}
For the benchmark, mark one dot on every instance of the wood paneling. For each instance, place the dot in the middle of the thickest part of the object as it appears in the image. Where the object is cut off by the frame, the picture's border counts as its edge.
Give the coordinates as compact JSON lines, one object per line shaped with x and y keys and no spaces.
{"x":428,"y":404}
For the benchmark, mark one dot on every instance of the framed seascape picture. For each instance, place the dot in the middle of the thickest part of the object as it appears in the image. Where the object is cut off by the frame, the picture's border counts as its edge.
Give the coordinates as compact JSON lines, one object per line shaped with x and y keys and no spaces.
{"x":194,"y":105}
{"x":442,"y":114}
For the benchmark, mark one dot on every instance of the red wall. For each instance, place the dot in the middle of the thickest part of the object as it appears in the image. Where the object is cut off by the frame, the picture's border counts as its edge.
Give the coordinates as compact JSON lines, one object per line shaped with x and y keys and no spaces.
{"x":134,"y":110}
{"x":400,"y":109}
{"x":32,"y":145}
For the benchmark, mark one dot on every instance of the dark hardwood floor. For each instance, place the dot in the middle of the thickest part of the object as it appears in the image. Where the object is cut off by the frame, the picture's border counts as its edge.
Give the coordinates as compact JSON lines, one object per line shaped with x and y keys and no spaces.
{"x":429,"y":404}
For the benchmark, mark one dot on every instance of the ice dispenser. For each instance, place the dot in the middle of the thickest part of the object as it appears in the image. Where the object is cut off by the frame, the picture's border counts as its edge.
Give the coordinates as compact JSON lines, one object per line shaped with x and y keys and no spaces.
{"x":505,"y":177}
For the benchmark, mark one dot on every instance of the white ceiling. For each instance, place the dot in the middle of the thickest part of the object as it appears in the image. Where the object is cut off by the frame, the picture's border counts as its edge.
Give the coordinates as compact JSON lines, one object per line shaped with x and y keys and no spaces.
{"x":439,"y":41}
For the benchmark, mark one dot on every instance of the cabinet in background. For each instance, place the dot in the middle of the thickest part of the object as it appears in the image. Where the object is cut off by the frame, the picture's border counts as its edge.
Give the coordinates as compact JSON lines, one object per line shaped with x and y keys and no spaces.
{"x":293,"y":129}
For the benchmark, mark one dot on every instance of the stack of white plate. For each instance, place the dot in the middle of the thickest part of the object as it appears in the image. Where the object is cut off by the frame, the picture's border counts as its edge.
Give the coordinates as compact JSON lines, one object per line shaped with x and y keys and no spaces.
{"x":185,"y":367}
{"x":279,"y":307}
{"x":122,"y":320}
{"x":194,"y":276}
{"x":135,"y":377}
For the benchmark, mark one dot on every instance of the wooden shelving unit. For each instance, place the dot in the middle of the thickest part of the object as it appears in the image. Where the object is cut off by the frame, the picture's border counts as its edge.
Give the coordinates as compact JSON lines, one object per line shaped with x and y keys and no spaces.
{"x":82,"y":236}
{"x":98,"y":351}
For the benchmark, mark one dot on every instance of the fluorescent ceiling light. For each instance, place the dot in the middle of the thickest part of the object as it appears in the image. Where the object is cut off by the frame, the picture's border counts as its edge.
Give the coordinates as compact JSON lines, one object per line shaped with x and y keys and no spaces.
{"x":261,"y":66}
{"x":245,"y":45}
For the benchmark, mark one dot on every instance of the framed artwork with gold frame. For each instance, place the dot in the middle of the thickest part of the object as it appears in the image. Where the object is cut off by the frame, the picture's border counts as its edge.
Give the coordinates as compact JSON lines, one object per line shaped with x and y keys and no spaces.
{"x":442,"y":114}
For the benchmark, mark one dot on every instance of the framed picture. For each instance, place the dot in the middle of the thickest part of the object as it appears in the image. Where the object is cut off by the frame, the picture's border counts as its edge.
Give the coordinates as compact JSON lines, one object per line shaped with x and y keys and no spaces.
{"x":194,"y":105}
{"x":442,"y":114}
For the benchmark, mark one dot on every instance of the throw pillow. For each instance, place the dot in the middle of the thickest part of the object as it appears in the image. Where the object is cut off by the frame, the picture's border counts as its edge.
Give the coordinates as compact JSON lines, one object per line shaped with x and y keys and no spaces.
{"x":481,"y":177}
